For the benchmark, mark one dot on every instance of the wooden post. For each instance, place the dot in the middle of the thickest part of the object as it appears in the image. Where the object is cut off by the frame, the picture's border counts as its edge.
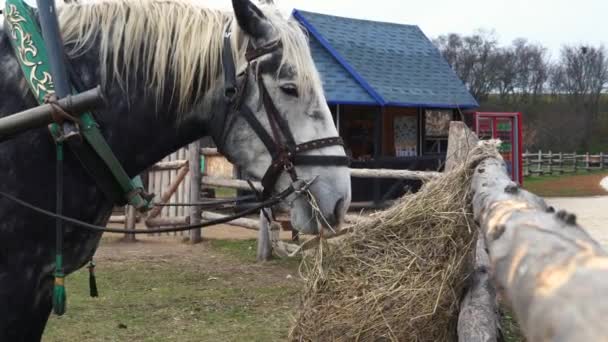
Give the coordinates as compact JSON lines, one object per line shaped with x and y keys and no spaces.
{"x":264,"y":251}
{"x":170,"y":191}
{"x":587,"y":167}
{"x":551,"y":272}
{"x":194,"y":163}
{"x":575,"y":161}
{"x":477,"y":320}
{"x":540,"y":162}
{"x":550,"y":163}
{"x":601,"y":160}
{"x":561,"y":163}
{"x":131,"y":218}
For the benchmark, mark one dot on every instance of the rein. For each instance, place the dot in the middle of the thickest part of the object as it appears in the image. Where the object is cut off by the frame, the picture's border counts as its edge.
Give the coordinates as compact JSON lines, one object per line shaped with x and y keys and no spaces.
{"x":296,"y":188}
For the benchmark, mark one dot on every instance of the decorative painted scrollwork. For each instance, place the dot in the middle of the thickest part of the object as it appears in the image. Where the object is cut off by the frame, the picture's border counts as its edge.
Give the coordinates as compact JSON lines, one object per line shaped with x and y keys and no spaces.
{"x":40,"y":81}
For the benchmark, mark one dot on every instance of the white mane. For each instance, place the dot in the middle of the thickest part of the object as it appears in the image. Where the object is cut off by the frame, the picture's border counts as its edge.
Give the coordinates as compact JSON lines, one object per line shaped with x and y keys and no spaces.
{"x":172,"y":41}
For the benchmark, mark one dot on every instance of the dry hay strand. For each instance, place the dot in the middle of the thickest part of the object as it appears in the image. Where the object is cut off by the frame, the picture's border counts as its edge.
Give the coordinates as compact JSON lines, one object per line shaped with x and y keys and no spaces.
{"x":399,"y":276}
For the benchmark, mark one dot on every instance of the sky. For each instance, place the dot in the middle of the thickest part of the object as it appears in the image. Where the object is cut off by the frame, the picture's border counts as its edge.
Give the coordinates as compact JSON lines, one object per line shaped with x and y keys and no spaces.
{"x":549,"y":22}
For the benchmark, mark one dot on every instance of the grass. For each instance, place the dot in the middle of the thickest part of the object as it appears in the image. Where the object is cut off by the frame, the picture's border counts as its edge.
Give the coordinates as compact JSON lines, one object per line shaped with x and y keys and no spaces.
{"x":509,"y":329}
{"x":176,"y":300}
{"x":582,"y":183}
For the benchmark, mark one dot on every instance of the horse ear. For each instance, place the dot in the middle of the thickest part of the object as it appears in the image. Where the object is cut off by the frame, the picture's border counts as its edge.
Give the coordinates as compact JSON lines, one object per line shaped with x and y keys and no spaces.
{"x":251,"y":19}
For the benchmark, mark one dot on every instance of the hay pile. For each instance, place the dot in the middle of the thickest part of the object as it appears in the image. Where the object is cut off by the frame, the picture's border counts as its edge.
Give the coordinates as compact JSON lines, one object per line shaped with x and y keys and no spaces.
{"x":399,"y":276}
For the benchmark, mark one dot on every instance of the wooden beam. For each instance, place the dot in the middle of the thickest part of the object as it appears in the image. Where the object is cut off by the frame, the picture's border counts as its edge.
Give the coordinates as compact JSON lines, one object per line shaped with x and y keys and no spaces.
{"x":169,"y":165}
{"x":461,"y":140}
{"x":240,"y":222}
{"x":131,"y":219}
{"x":229,"y":183}
{"x":394,"y":174}
{"x":167,"y":221}
{"x":210,"y":152}
{"x":264,"y":243}
{"x":549,"y":269}
{"x":167,"y":195}
{"x":478,"y":318}
{"x":194,"y":162}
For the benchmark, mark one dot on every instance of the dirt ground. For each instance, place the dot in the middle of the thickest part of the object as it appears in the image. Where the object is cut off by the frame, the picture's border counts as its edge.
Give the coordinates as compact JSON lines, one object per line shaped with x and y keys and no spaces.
{"x":164,"y":289}
{"x":582,"y":184}
{"x":591,"y":213}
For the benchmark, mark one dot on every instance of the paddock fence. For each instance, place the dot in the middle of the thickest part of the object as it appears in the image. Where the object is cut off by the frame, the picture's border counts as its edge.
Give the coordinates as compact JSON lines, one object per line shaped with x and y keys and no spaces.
{"x":172,"y":183}
{"x":550,"y":163}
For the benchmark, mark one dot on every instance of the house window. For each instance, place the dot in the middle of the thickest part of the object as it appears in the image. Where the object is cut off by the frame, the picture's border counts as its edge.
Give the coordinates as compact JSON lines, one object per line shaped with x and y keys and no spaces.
{"x":357,"y":129}
{"x":437,"y":127}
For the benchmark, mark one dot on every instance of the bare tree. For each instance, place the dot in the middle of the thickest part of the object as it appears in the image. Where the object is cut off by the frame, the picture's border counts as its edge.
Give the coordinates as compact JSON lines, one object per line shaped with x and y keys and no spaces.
{"x":582,"y":74}
{"x":532,"y":68}
{"x":473,"y":58}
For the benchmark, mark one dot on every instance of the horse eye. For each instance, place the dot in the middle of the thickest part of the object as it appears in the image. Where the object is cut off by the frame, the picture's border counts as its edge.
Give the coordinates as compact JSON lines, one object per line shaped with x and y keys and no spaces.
{"x":290,"y":90}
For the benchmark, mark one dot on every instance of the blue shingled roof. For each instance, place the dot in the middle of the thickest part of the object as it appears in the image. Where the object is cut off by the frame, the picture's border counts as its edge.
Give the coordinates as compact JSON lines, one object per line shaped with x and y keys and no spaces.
{"x":394,"y":64}
{"x":338,"y":84}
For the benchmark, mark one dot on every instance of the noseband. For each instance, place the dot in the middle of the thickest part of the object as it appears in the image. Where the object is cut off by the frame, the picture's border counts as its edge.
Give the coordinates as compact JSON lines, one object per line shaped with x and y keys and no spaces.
{"x":285,"y":153}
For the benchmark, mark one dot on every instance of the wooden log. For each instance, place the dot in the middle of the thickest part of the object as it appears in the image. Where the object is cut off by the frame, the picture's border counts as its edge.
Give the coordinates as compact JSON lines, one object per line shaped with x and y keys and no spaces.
{"x":131,"y":218}
{"x":477,"y":319}
{"x":461,"y":140}
{"x":169,"y":165}
{"x":167,"y":221}
{"x":394,"y":174}
{"x":210,"y":152}
{"x":195,"y":188}
{"x":240,"y":222}
{"x":117,"y":219}
{"x":167,"y":194}
{"x":264,"y":245}
{"x":478,"y":316}
{"x":550,"y":270}
{"x":229,"y":183}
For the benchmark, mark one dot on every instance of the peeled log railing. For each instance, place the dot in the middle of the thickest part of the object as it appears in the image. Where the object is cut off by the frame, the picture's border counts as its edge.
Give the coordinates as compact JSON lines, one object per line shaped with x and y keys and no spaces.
{"x":549,"y":270}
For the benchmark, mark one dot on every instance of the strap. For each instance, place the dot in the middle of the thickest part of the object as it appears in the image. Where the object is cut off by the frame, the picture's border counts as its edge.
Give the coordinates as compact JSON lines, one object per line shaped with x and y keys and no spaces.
{"x":260,"y":131}
{"x":295,"y":188}
{"x":321,"y":160}
{"x":274,"y":117}
{"x":319,"y":143}
{"x":96,"y":156}
{"x":252,"y":53}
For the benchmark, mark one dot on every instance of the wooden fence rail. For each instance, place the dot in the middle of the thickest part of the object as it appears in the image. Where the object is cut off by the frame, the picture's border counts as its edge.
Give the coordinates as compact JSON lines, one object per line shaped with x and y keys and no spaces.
{"x":548,"y":163}
{"x":548,"y":269}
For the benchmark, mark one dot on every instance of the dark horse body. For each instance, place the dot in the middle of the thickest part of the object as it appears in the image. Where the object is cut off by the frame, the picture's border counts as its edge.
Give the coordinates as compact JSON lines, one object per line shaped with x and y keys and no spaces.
{"x":27,"y":171}
{"x":140,"y":131}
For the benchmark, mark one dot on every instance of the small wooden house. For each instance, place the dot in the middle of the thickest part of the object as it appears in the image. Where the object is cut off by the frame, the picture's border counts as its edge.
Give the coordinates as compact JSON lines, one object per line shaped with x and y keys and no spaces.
{"x":391,"y":93}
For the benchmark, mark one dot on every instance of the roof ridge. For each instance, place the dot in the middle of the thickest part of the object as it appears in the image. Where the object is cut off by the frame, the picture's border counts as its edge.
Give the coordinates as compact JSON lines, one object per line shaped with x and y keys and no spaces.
{"x":355,"y":19}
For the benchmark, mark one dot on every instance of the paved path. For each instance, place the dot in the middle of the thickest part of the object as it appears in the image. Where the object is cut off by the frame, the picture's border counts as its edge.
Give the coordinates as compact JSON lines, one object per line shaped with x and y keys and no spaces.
{"x":591,"y":213}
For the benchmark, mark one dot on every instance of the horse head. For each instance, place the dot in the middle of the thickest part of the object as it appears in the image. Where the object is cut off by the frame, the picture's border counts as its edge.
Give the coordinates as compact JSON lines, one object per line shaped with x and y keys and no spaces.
{"x":279,"y":87}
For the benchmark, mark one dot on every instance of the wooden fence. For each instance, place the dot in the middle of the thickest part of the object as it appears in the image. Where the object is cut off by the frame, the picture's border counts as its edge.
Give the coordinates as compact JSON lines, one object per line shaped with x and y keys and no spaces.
{"x":541,"y":262}
{"x":548,"y":163}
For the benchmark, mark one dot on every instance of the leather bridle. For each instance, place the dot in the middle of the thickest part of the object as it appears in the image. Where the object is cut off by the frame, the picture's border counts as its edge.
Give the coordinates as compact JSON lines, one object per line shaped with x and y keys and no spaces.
{"x":284,"y":151}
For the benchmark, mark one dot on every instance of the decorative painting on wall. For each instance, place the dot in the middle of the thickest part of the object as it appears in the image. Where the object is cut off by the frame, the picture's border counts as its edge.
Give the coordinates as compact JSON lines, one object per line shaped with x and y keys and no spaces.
{"x":406,"y":136}
{"x":437,"y":122}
